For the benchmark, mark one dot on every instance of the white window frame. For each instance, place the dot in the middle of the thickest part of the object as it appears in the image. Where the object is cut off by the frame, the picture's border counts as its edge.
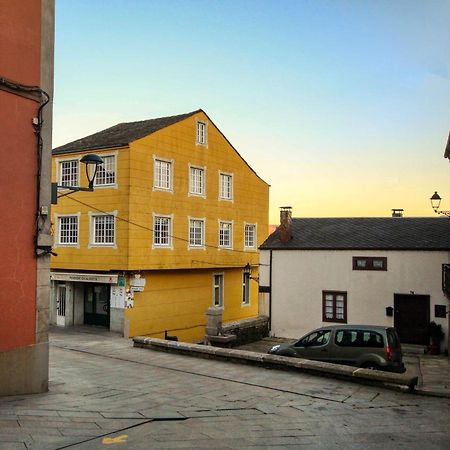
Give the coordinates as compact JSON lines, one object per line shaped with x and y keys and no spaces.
{"x":202,"y":220}
{"x":60,"y":162}
{"x":92,"y":219}
{"x":245,"y":288}
{"x":228,"y":196}
{"x":58,"y":232}
{"x":104,"y":185}
{"x":219,"y":287}
{"x":169,"y":244}
{"x":170,"y":162}
{"x":201,"y":133}
{"x":191,"y":181}
{"x":255,"y":236}
{"x":222,"y":245}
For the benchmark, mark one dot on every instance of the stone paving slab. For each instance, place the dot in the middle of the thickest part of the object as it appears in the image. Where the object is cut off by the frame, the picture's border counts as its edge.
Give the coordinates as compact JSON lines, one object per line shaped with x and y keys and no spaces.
{"x":175,"y":401}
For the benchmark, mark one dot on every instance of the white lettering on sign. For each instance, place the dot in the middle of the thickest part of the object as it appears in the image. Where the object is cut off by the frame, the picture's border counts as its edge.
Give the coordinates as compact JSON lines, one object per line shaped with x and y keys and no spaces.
{"x":86,"y":277}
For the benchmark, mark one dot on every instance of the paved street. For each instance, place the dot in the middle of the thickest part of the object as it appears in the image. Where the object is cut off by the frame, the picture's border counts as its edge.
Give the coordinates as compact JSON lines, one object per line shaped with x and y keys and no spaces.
{"x":103,"y":392}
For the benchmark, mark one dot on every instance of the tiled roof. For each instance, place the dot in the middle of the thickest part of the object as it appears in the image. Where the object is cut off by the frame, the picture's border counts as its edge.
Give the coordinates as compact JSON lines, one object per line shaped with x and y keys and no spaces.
{"x":376,"y":233}
{"x":121,"y":134}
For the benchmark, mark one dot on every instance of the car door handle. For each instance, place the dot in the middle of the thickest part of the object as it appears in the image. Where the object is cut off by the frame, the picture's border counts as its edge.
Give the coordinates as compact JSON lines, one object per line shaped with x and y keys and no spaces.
{"x":324,"y":350}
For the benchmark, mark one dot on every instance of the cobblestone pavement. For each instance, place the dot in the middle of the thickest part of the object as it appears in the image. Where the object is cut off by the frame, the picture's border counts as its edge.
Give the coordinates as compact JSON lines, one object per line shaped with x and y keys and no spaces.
{"x":103,"y":392}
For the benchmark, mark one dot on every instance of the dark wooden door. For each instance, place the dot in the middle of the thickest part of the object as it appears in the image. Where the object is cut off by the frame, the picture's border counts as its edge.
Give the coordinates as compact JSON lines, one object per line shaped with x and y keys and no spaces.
{"x":412,"y":317}
{"x":96,"y":304}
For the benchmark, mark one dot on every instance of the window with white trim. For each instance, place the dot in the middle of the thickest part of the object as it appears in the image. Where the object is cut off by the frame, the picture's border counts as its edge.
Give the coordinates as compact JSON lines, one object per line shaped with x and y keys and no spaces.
{"x":218,"y":289}
{"x":225,"y":234}
{"x":249,"y":235}
{"x":196,"y":180}
{"x":162,"y":226}
{"x":226,"y":186}
{"x":68,"y":172}
{"x":104,"y":229}
{"x":196,"y":232}
{"x":245,"y":288}
{"x":68,"y":230}
{"x":106,"y":172}
{"x":162,"y":174}
{"x":202,"y":133}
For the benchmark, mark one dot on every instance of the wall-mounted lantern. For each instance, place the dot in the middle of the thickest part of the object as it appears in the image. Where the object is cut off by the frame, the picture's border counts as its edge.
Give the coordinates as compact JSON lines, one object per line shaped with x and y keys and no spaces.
{"x":248,"y":271}
{"x":389,"y":311}
{"x":89,"y":160}
{"x":435,"y":200}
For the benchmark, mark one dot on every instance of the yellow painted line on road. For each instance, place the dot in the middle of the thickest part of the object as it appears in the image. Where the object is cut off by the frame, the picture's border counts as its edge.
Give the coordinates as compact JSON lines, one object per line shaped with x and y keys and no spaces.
{"x":115,"y":440}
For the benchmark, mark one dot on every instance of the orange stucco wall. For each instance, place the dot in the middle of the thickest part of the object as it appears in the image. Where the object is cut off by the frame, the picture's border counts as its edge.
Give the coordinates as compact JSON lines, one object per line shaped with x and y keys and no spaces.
{"x":20,"y":46}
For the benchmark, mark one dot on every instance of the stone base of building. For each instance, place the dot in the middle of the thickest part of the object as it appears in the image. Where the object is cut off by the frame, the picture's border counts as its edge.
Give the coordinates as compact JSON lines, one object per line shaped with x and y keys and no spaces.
{"x":24,"y":370}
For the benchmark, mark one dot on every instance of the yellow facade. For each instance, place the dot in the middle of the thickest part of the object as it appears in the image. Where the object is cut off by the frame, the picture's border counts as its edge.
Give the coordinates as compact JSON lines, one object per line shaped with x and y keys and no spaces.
{"x":179,"y":277}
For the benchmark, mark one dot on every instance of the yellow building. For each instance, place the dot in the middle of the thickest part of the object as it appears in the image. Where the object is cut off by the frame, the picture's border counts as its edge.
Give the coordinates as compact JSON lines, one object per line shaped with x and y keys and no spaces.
{"x":175,"y":217}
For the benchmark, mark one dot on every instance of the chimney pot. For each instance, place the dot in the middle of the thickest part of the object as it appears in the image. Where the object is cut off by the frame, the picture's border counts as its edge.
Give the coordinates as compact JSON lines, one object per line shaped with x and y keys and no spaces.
{"x":285,"y":223}
{"x":397,"y":212}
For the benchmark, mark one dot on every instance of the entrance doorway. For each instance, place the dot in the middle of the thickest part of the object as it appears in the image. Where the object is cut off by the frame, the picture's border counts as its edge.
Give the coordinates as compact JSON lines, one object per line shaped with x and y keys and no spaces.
{"x":61,"y":305}
{"x":96,"y":304}
{"x":412,"y":317}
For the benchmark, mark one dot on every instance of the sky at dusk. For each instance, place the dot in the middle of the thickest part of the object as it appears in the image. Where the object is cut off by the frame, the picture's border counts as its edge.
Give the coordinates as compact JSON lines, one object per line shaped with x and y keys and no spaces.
{"x":343,"y":107}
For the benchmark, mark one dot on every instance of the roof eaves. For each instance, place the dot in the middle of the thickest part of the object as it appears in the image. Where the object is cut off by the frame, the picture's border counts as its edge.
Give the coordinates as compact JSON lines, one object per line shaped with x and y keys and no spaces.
{"x":358,"y":248}
{"x":232,"y":146}
{"x":447,"y":148}
{"x":85,"y":149}
{"x":184,"y":117}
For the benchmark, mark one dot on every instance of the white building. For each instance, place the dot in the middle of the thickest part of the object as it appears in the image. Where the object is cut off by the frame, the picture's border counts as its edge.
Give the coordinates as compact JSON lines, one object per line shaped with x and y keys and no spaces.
{"x":381,"y":271}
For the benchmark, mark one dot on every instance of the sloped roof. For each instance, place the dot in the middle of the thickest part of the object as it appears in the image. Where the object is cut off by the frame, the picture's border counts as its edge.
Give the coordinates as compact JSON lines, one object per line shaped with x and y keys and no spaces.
{"x":359,"y":233}
{"x":447,"y":148}
{"x":121,"y":134}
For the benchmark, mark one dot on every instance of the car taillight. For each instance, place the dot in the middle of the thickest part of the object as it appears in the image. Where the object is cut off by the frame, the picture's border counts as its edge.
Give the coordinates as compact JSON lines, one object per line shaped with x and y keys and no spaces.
{"x":388,"y":353}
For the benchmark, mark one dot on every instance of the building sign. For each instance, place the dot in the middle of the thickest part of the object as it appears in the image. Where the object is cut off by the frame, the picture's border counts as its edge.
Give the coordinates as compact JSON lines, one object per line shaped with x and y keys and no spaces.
{"x":137,"y":283}
{"x":117,"y":297}
{"x":84,"y":277}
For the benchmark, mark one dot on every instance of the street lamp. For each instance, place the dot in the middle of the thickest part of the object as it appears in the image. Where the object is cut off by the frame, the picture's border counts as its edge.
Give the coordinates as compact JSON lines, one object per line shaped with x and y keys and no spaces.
{"x":89,"y":160}
{"x":436,"y":202}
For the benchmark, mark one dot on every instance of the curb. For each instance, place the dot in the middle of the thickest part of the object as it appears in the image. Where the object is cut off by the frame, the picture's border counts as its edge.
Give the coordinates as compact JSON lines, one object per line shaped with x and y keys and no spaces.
{"x":280,"y":362}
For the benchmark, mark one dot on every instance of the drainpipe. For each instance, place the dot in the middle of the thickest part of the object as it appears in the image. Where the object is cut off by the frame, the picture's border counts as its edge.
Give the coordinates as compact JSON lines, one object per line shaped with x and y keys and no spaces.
{"x":270,"y":293}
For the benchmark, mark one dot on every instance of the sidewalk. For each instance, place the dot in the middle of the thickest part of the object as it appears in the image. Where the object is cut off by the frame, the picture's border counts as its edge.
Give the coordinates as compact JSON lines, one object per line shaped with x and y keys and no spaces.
{"x":103,"y":392}
{"x":433,"y":371}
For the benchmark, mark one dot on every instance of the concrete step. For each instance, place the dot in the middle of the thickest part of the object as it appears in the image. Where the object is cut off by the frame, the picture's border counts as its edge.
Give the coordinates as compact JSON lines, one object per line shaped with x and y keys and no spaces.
{"x":415,"y":349}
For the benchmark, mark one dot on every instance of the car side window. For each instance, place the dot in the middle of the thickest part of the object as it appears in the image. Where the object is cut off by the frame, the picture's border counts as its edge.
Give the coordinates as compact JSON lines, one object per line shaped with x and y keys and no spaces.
{"x":359,"y":338}
{"x":346,"y":338}
{"x":314,"y":339}
{"x":372,"y":339}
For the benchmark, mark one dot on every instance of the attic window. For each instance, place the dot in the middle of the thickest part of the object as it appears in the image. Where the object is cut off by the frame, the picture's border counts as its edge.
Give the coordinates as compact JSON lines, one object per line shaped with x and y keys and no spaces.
{"x":369,"y":263}
{"x":202,"y":133}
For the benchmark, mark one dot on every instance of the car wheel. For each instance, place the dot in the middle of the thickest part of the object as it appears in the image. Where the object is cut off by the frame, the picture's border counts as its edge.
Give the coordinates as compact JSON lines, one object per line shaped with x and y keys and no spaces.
{"x":371,"y":366}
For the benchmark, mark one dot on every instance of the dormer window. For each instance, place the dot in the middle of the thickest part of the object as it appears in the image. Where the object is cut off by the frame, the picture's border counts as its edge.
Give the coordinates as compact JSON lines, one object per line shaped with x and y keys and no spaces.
{"x":202,"y":133}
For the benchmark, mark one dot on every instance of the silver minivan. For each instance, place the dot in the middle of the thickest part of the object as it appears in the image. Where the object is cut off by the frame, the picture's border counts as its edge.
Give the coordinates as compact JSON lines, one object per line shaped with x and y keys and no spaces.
{"x":370,"y":346}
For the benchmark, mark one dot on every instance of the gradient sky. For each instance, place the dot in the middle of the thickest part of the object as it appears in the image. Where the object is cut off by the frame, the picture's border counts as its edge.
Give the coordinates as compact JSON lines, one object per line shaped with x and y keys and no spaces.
{"x":343,"y":107}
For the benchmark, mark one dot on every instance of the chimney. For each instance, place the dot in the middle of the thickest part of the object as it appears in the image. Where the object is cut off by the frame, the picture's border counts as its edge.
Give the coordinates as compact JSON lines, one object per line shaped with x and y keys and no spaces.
{"x":285,"y":223}
{"x":397,"y":212}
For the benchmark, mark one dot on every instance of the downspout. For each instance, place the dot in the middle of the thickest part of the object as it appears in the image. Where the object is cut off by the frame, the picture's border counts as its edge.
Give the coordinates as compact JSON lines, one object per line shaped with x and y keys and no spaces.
{"x":270,"y":293}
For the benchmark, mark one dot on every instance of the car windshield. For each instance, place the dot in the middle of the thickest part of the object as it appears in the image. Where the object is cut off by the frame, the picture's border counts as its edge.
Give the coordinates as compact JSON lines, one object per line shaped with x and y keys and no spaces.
{"x":319,"y":337}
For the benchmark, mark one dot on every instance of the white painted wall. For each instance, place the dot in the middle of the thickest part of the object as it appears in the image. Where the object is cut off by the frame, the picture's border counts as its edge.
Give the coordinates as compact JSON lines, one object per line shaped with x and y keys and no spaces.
{"x":300,"y":276}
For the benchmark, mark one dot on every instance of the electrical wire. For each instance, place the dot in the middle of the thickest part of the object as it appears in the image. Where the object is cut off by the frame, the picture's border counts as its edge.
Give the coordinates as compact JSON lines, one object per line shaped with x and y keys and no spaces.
{"x":144,"y":227}
{"x":43,"y":99}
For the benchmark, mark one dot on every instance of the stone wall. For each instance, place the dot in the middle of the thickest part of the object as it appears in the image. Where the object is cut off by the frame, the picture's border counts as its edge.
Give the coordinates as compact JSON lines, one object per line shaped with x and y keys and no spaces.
{"x":247,"y":330}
